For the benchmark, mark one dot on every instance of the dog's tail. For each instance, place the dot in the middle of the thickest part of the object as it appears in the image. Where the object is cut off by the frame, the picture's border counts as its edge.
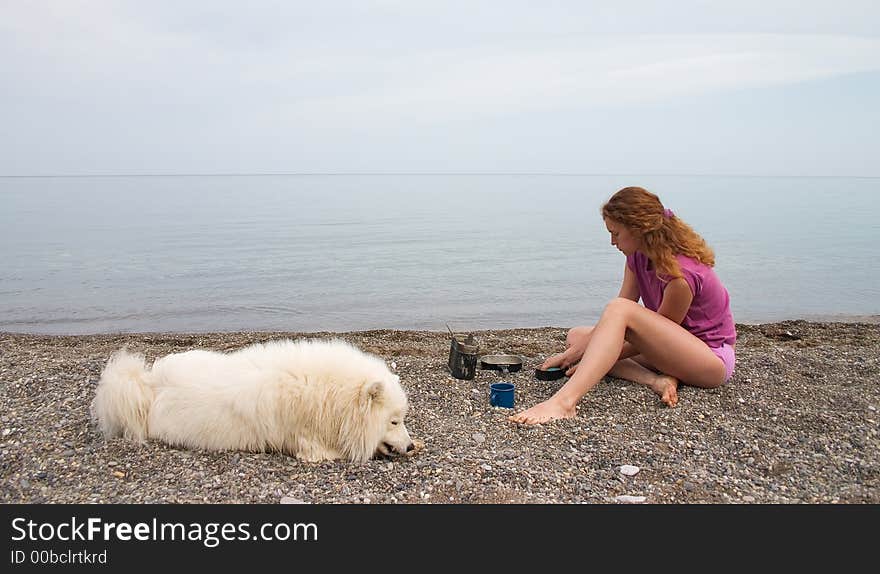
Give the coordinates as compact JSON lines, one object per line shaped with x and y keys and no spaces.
{"x":122,"y":402}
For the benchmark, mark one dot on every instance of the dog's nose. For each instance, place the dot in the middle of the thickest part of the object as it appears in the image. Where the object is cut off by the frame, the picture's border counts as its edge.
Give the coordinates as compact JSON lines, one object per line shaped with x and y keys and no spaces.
{"x":410,"y":446}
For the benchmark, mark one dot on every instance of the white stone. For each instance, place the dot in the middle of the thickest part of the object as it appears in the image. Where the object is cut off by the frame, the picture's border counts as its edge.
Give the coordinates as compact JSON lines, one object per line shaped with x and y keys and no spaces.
{"x":627,"y":499}
{"x":292,"y":500}
{"x":629,"y":470}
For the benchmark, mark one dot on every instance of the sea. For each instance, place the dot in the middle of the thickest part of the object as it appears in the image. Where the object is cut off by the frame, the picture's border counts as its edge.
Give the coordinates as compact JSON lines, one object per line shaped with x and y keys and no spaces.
{"x":356,"y":252}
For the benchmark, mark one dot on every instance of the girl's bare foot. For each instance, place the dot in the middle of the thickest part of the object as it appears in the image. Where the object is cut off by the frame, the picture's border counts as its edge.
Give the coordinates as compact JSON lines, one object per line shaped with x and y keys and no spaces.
{"x":542,"y":413}
{"x":667,"y":388}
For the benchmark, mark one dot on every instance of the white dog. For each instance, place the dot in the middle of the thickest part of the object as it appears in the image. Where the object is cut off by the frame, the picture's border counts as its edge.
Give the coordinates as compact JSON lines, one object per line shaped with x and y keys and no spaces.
{"x":316,"y":400}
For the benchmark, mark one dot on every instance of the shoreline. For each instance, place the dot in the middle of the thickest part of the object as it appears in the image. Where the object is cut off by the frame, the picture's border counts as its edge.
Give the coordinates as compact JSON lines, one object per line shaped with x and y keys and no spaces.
{"x":798,"y":423}
{"x":819,"y":318}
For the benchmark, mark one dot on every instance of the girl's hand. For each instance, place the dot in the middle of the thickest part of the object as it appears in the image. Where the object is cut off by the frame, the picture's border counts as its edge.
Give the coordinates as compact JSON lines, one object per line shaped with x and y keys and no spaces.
{"x":567,"y":360}
{"x":555,"y":361}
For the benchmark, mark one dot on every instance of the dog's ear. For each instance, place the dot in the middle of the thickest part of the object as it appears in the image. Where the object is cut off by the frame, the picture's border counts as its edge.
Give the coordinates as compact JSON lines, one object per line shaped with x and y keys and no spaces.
{"x":372,"y":393}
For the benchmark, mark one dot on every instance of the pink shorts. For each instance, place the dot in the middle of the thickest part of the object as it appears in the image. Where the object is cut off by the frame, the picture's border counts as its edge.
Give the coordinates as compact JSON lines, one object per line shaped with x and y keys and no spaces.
{"x":726,"y":354}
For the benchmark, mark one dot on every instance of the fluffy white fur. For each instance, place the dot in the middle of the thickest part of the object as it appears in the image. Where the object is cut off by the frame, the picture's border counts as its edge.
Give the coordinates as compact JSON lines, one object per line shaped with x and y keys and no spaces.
{"x":313,"y":399}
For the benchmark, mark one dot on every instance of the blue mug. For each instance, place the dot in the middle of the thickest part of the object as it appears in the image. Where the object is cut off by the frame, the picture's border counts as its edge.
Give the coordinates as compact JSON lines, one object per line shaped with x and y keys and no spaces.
{"x":501,"y":395}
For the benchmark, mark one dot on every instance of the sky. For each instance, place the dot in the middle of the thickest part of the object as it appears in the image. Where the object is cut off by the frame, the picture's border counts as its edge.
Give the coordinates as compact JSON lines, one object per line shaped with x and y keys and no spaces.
{"x":769,"y":87}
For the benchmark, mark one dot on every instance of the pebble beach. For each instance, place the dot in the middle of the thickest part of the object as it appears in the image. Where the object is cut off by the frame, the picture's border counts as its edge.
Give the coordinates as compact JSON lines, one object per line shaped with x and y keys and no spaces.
{"x":799,"y":423}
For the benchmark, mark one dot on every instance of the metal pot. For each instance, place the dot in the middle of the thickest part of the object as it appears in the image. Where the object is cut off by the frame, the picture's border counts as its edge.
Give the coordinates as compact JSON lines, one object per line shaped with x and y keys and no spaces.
{"x":503,"y":363}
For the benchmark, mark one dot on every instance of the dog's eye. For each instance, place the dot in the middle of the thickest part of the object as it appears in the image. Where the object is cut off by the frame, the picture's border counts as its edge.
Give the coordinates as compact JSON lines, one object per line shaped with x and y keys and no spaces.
{"x":395,"y":423}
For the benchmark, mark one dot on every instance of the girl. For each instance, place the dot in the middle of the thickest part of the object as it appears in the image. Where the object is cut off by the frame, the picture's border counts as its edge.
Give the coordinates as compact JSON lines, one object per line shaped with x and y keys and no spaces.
{"x":683,"y":333}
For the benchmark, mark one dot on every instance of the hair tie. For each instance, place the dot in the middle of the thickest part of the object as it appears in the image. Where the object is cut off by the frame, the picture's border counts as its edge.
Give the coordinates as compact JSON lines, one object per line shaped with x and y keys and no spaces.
{"x":668,"y":213}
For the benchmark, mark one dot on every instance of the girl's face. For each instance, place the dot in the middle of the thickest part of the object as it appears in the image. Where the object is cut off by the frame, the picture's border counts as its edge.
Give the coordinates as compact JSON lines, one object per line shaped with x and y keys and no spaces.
{"x":622,"y":237}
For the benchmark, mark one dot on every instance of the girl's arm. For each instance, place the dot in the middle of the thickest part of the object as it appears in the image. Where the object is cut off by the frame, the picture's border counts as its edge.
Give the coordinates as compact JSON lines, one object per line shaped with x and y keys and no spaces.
{"x":629,"y":289}
{"x":677,"y":298}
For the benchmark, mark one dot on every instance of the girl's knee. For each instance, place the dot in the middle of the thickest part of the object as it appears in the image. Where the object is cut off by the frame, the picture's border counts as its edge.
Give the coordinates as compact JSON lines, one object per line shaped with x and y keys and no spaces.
{"x":577,"y":334}
{"x":620,"y":305}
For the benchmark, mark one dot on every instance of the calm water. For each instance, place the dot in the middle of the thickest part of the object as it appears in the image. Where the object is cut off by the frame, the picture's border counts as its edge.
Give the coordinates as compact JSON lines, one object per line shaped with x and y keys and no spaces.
{"x":315,"y":253}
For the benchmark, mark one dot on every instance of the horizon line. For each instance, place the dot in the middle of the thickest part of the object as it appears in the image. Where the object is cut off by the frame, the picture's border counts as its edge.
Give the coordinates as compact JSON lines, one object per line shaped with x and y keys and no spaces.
{"x":422,"y":173}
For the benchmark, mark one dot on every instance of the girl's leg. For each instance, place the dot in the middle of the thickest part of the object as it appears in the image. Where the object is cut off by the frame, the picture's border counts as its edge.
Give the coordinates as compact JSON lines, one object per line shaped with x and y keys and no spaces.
{"x":636,"y":369}
{"x":663,"y":343}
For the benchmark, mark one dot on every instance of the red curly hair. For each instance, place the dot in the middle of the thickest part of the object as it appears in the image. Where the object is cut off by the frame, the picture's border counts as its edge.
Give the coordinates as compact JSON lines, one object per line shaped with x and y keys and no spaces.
{"x":663,"y":234}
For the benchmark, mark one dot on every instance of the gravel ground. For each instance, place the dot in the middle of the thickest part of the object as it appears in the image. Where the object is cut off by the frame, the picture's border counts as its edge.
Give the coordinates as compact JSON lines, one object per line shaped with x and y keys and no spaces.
{"x":797,"y":424}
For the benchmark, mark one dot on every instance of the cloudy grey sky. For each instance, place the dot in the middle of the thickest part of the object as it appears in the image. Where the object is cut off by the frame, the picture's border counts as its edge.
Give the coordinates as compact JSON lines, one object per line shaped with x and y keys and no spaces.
{"x":768,"y":87}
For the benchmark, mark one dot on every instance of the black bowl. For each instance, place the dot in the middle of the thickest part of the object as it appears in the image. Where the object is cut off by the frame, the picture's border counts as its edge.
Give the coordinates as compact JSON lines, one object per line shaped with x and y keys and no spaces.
{"x":551,"y":374}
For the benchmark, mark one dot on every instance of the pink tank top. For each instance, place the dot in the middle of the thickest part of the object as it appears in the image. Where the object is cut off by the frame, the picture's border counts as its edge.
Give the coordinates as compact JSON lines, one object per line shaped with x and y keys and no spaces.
{"x":709,"y":317}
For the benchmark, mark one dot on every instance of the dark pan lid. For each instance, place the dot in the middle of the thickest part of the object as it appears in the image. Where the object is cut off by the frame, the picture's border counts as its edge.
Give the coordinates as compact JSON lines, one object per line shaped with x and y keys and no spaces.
{"x":551,"y":374}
